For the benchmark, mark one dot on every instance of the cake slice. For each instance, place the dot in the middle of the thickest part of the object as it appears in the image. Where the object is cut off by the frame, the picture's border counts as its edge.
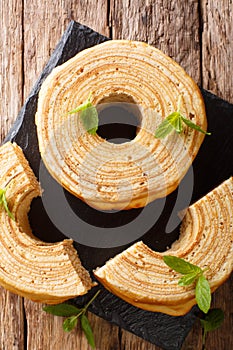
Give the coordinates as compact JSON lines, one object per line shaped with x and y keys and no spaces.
{"x":140,"y":276}
{"x":43,"y":272}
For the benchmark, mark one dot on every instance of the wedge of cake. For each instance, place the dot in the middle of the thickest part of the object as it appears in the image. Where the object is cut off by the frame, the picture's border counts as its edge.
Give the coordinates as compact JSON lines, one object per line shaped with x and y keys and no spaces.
{"x":43,"y":272}
{"x":140,"y":276}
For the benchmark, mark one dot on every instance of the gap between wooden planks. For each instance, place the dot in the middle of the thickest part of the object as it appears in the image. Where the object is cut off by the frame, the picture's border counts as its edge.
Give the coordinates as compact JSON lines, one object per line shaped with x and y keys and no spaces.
{"x":197,"y":34}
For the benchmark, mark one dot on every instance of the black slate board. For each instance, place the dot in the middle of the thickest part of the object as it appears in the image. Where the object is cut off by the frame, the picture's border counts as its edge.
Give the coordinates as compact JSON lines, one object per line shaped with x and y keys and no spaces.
{"x":212,"y":165}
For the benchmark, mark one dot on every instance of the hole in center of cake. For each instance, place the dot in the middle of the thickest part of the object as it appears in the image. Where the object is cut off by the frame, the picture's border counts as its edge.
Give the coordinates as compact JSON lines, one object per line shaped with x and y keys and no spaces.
{"x":119,"y":118}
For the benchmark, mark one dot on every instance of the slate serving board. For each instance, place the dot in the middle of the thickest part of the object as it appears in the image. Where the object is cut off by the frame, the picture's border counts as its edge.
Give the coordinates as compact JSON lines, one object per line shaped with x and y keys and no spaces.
{"x":212,"y":165}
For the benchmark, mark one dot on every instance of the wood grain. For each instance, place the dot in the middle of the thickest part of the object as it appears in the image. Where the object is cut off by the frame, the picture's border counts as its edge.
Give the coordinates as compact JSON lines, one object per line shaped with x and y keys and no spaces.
{"x":217,"y":64}
{"x":217,"y":52}
{"x":11,"y":82}
{"x":44,"y":23}
{"x":197,"y":34}
{"x":11,"y":321}
{"x":171,"y":26}
{"x":45,"y":332}
{"x":10,"y":63}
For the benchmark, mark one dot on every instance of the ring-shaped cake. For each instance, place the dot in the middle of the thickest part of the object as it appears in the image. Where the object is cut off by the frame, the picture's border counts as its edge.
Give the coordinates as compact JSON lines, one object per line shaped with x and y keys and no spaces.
{"x":118,"y":176}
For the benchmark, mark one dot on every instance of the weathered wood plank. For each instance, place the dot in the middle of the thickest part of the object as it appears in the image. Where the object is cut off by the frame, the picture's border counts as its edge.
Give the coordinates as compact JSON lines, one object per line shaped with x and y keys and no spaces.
{"x":217,"y":53}
{"x":172,"y":26}
{"x":10,"y":63}
{"x":217,"y":63}
{"x":11,"y":316}
{"x":43,"y":27}
{"x":45,"y":332}
{"x":11,"y":321}
{"x":45,"y":22}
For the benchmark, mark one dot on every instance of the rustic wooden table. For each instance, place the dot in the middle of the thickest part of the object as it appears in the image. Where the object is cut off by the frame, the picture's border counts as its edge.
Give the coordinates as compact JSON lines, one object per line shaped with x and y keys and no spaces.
{"x":198,"y":34}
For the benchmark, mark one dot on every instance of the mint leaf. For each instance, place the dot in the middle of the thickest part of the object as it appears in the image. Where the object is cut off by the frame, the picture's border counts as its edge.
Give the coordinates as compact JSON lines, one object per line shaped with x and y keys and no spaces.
{"x":70,"y":323}
{"x":180,"y":265}
{"x":163,"y":129}
{"x":175,"y":120}
{"x":3,"y":202}
{"x":87,"y":330}
{"x":212,"y":320}
{"x":203,"y":294}
{"x":83,"y":106}
{"x":89,"y":115}
{"x":64,"y":310}
{"x":188,"y":279}
{"x":90,"y":120}
{"x":193,"y":126}
{"x":80,"y":108}
{"x":192,"y":273}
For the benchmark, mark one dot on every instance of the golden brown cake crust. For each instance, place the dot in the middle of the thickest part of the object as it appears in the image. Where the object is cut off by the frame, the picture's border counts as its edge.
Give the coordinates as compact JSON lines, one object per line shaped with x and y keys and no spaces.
{"x":118,"y":176}
{"x":140,"y":276}
{"x":43,"y":272}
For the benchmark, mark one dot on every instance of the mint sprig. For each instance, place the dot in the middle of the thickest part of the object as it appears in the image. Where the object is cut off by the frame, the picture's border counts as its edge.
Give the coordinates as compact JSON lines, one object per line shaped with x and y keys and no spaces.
{"x":192,"y":274}
{"x":72,"y":314}
{"x":88,"y":115}
{"x":3,"y":202}
{"x":174,"y":122}
{"x":211,"y":321}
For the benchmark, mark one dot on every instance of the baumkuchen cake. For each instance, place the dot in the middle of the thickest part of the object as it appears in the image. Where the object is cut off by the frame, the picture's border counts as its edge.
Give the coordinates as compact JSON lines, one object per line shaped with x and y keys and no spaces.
{"x":40,"y":271}
{"x":132,"y":174}
{"x":140,"y":276}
